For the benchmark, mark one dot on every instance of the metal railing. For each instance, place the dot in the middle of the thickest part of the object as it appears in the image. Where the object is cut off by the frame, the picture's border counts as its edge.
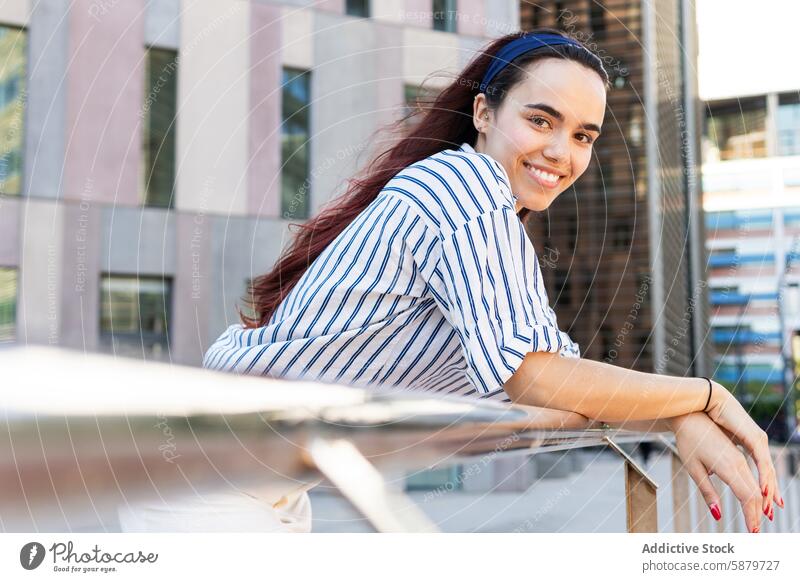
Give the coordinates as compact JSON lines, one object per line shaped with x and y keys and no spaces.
{"x":88,"y":433}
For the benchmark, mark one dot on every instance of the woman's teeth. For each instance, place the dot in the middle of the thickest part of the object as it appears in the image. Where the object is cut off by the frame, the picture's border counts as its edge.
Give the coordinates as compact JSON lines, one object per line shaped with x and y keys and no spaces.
{"x":544,"y":177}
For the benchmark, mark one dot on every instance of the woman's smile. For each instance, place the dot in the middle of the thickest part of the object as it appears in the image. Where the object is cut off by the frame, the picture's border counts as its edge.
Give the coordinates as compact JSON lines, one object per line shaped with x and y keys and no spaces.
{"x":547,"y":179}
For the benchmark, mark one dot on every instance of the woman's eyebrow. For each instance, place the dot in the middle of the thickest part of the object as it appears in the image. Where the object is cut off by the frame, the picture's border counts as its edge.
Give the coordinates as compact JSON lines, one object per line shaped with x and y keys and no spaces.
{"x":560,"y":116}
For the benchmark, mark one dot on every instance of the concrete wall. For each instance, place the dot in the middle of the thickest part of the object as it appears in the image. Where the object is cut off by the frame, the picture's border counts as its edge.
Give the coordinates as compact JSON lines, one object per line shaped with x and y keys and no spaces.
{"x":15,"y":12}
{"x":162,"y":24}
{"x":104,"y":101}
{"x":9,"y":231}
{"x":40,"y":272}
{"x":264,"y":117}
{"x":45,"y":120}
{"x":213,"y":94}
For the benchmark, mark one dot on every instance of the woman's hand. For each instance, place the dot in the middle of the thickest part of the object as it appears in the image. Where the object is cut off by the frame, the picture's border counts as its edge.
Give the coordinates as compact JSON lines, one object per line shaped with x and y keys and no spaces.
{"x":705,"y":449}
{"x":726,"y":411}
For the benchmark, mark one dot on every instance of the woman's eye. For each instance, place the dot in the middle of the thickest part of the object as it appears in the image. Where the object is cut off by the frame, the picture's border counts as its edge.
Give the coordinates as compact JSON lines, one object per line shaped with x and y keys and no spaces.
{"x":540,"y":121}
{"x":588,"y":139}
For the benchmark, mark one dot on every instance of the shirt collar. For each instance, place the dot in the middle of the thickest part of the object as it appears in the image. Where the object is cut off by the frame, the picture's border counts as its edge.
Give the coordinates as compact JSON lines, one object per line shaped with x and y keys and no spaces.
{"x":465,"y":147}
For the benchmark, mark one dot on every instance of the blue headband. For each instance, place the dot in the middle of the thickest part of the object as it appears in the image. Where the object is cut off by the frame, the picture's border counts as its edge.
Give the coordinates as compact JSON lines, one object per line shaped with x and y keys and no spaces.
{"x":520,"y":46}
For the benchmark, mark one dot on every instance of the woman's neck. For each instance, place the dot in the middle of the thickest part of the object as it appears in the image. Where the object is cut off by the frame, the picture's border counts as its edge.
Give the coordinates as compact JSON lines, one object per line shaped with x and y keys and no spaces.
{"x":479,"y":147}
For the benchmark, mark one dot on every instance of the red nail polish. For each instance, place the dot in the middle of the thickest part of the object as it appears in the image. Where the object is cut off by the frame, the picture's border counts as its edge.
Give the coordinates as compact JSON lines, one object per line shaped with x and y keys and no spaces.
{"x":755,"y":530}
{"x":771,"y":513}
{"x":780,"y":502}
{"x":766,"y":511}
{"x":714,"y":508}
{"x":764,"y":492}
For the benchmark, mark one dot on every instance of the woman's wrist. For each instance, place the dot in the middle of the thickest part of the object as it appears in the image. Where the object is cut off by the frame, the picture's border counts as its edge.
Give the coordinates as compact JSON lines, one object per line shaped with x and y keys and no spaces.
{"x":676,"y":422}
{"x":718,"y":397}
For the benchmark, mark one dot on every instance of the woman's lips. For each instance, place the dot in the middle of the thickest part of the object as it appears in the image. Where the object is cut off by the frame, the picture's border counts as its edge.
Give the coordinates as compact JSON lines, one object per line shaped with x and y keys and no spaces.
{"x":542,"y":178}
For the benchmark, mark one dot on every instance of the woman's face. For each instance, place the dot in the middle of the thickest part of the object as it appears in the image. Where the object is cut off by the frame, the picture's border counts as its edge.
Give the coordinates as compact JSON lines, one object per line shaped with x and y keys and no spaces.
{"x":544,"y":129}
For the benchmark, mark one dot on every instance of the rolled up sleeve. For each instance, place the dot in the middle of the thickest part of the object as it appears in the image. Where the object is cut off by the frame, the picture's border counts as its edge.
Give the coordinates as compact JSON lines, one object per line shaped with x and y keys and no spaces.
{"x":489,"y":285}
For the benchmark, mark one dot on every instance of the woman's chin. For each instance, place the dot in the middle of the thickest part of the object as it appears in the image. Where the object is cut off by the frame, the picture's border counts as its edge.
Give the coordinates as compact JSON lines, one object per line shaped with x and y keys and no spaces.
{"x":536,"y":202}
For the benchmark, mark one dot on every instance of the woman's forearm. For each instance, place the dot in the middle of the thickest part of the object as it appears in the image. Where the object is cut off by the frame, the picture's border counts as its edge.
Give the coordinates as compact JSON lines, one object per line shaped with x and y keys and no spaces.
{"x":654,"y":425}
{"x":601,"y":391}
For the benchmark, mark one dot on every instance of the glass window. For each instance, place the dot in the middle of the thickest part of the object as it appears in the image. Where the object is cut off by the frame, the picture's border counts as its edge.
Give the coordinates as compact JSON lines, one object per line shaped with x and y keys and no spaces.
{"x":563,"y":287}
{"x":561,"y":15}
{"x":247,"y":305}
{"x":135,"y":315}
{"x":791,"y":218}
{"x":597,"y":20}
{"x":295,"y":131}
{"x":445,"y":15}
{"x":789,"y":125}
{"x":416,"y":98}
{"x":357,"y":8}
{"x":12,"y":107}
{"x":530,"y":16}
{"x":607,"y":338}
{"x":445,"y":479}
{"x":736,"y":129}
{"x":754,"y":219}
{"x":721,"y":220}
{"x":411,"y":96}
{"x":161,"y":92}
{"x":8,"y":304}
{"x":622,"y":235}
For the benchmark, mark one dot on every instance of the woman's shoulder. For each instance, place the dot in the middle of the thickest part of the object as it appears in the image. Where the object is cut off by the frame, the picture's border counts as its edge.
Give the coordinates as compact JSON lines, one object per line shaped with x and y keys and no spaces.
{"x":453,"y":186}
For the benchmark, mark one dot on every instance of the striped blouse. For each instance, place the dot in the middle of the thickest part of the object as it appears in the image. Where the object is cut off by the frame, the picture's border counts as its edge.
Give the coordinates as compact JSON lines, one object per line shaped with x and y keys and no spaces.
{"x":435,"y":286}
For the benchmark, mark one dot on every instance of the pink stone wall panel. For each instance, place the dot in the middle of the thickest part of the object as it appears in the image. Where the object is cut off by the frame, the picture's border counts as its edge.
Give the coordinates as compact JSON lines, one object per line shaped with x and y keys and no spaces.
{"x":471,"y":17}
{"x":105,"y":88}
{"x":419,"y":13}
{"x":336,"y":6}
{"x":264,"y":117}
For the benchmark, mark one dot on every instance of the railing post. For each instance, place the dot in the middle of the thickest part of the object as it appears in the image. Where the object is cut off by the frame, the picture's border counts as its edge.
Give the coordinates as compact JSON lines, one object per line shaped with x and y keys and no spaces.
{"x":681,"y":510}
{"x":640,"y":494}
{"x":720,"y":486}
{"x":363,"y":486}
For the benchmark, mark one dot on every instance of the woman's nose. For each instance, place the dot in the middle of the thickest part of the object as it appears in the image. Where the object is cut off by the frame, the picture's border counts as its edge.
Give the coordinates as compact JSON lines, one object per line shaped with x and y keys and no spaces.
{"x":556,"y":150}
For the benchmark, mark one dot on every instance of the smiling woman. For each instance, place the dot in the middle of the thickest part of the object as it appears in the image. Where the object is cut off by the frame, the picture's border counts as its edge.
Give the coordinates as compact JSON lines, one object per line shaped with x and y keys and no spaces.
{"x":542,"y":126}
{"x":421,"y":276}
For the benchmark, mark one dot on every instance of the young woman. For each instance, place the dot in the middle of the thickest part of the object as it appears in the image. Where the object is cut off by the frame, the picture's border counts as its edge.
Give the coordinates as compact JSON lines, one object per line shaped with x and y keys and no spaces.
{"x":421,"y":275}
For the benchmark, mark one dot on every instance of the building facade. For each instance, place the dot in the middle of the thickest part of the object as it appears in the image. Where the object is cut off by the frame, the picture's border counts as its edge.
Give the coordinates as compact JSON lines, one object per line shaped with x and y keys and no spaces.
{"x":751,"y":178}
{"x":752,"y":204}
{"x":624,"y":246}
{"x":155,"y":152}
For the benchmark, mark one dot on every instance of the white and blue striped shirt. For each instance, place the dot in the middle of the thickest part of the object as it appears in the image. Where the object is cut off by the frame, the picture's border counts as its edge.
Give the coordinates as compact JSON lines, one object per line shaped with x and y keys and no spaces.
{"x":435,"y":286}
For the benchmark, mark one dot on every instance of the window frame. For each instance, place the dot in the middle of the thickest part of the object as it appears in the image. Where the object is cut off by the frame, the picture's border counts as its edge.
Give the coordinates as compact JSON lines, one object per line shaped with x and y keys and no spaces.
{"x":449,"y":22}
{"x":352,"y":11}
{"x":143,"y":340}
{"x":17,"y":155}
{"x":152,"y":199}
{"x":289,"y":75}
{"x":14,"y":272}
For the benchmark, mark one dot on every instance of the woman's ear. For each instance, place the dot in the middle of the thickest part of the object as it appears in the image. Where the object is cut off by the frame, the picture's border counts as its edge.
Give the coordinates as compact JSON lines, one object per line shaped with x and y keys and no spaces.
{"x":480,"y":113}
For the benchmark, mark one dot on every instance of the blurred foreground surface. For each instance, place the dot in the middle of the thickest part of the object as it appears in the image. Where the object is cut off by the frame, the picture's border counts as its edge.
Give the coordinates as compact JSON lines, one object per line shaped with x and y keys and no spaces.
{"x":590,"y":499}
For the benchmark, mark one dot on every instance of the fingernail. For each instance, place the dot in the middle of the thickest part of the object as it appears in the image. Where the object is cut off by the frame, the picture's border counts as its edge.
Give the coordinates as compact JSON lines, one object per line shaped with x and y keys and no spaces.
{"x":764,"y":492}
{"x":766,"y":511}
{"x":714,"y":508}
{"x":755,"y":530}
{"x":771,"y":513}
{"x":780,"y":502}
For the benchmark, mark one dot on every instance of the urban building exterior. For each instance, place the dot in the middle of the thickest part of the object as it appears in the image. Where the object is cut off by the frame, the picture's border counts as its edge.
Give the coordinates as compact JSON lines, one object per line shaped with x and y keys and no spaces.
{"x":751,"y":178}
{"x":155,"y":152}
{"x":624,"y":246}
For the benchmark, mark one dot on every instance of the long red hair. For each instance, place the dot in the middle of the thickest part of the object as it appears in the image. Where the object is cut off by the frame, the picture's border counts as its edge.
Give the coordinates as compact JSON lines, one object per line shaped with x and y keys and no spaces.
{"x":445,"y":122}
